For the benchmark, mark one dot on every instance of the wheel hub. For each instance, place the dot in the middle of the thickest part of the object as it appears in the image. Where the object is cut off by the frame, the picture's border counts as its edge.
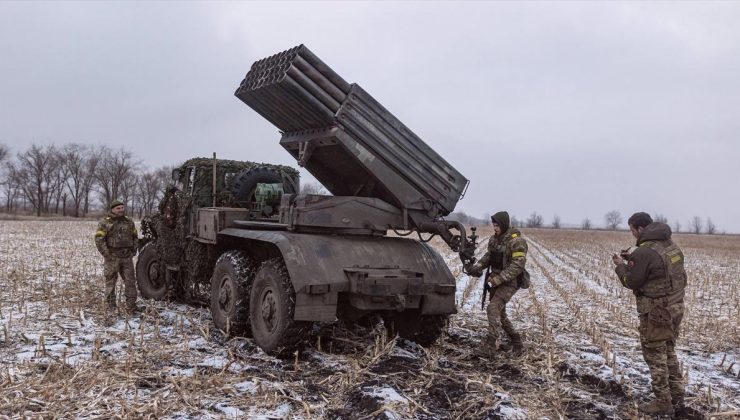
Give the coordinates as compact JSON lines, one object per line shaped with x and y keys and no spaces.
{"x":269,"y":314}
{"x":224,"y":294}
{"x":153,"y":273}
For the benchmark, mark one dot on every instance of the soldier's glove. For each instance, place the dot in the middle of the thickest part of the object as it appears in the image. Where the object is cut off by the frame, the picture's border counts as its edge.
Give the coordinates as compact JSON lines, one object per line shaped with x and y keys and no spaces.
{"x":494,"y":281}
{"x":472,"y":270}
{"x":468,"y":254}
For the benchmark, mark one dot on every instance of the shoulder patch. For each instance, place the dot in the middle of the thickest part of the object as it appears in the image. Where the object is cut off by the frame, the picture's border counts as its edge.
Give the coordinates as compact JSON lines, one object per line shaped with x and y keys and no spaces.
{"x":514,"y":235}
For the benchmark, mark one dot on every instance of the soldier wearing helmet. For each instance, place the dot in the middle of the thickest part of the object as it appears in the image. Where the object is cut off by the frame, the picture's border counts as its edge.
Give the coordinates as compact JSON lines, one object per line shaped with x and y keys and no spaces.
{"x":505,"y":258}
{"x":117,"y":240}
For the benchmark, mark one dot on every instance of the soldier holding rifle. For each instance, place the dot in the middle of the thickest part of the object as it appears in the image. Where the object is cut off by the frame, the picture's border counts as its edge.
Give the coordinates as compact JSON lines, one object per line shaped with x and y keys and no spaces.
{"x":504,"y":262}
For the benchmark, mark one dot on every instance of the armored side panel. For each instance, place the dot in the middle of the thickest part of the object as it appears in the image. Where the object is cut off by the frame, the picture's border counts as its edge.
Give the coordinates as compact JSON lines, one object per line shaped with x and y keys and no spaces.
{"x":377,"y":273}
{"x":378,"y":156}
{"x":328,"y":214}
{"x":210,"y":220}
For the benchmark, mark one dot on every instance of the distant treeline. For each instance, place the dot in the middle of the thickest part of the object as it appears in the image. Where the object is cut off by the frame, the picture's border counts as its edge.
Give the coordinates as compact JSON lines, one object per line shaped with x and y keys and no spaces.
{"x":73,"y":179}
{"x":613,"y":220}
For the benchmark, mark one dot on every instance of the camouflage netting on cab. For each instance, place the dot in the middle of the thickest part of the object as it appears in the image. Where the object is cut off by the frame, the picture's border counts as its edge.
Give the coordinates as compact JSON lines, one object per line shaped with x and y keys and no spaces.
{"x":193,"y":259}
{"x":227,"y":171}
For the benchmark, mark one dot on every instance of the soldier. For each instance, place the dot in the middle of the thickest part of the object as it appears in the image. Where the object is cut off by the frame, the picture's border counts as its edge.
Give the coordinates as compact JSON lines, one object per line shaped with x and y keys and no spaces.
{"x":117,"y":240}
{"x":505,"y":257}
{"x":654,"y":271}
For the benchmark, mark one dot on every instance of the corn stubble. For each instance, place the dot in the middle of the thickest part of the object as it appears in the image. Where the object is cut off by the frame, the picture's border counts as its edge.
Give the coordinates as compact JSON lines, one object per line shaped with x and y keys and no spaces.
{"x":61,"y":357}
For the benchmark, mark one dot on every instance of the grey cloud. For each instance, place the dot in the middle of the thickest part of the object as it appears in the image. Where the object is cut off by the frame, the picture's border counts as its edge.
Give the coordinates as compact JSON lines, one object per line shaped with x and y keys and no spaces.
{"x":582,"y":99}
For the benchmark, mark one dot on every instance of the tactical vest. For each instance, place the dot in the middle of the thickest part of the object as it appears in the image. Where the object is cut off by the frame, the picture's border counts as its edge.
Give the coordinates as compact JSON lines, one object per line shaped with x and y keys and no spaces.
{"x":674,"y":278}
{"x":120,"y":234}
{"x":500,"y":255}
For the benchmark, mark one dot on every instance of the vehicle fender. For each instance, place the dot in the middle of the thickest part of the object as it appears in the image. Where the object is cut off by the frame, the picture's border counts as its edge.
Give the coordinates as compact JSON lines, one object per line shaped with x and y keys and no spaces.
{"x":317,"y":263}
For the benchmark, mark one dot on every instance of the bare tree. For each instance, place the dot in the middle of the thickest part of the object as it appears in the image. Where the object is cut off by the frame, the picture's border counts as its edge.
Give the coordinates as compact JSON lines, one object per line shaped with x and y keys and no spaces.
{"x":150,"y":189}
{"x":711,"y":227}
{"x":695,"y":225}
{"x":515,"y":222}
{"x":677,"y":226}
{"x":164,"y":175}
{"x":613,"y":219}
{"x":586,"y":224}
{"x":73,"y":163}
{"x":534,"y":220}
{"x":58,"y":190}
{"x":659,"y":218}
{"x":35,"y":175}
{"x":313,"y":188}
{"x":487,"y":219}
{"x":11,"y":185}
{"x":556,"y":222}
{"x":4,"y":152}
{"x":5,"y":173}
{"x":114,"y":172}
{"x":93,"y":157}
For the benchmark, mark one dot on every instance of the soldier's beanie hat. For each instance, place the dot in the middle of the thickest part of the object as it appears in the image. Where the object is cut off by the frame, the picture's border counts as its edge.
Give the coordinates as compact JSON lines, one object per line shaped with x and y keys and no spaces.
{"x":501,"y":218}
{"x":640,"y":219}
{"x":115,"y":203}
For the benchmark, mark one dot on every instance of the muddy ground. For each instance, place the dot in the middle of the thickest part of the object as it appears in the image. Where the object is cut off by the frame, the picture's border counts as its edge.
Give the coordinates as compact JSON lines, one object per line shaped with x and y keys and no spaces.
{"x":60,"y":358}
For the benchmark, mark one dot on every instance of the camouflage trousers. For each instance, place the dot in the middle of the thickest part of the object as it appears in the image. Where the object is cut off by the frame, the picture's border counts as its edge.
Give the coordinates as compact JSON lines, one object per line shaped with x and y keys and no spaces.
{"x":498,"y":321}
{"x":112,"y":267}
{"x":660,"y":356}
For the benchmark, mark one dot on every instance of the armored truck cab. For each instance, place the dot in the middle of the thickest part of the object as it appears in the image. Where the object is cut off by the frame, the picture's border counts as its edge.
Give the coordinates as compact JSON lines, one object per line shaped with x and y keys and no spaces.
{"x":312,"y":257}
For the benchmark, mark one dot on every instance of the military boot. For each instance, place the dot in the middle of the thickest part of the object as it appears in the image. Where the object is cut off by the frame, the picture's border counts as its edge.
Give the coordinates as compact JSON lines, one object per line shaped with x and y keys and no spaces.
{"x":657,"y":407}
{"x":132,"y":308}
{"x":517,"y":346}
{"x":679,"y":408}
{"x":487,"y":347}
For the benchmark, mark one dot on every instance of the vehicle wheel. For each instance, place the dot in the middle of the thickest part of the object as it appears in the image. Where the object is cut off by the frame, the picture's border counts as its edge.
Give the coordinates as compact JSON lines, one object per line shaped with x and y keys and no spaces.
{"x":422,"y":329}
{"x":230,"y":285}
{"x":149,"y":275}
{"x":272,"y":308}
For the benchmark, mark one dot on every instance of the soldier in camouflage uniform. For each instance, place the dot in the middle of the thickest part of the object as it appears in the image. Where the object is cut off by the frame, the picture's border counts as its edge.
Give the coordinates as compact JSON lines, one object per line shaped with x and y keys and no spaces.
{"x":117,"y":240}
{"x":654,"y":271}
{"x":506,"y":257}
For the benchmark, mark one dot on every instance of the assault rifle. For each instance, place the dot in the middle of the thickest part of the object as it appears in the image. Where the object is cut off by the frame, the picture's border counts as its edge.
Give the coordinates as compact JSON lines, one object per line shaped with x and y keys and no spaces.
{"x":467,"y":254}
{"x":486,"y":288}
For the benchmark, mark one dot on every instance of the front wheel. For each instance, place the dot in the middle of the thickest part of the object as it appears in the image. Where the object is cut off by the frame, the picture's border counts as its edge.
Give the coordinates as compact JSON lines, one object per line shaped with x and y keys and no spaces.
{"x":149,"y":275}
{"x":272,"y":307}
{"x":230,"y":285}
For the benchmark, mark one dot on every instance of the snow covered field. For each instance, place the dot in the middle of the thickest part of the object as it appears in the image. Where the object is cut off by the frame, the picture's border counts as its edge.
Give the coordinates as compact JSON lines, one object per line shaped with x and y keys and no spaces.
{"x":582,"y":357}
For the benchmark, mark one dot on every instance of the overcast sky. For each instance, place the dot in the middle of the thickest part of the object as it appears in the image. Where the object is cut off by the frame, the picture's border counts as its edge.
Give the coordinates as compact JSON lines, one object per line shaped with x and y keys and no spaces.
{"x":572,"y":108}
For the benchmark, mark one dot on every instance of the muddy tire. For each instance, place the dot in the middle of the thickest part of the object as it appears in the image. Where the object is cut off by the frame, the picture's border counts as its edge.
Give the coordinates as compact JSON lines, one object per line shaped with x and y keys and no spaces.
{"x":231,"y":283}
{"x":422,"y":329}
{"x":272,"y":309}
{"x":150,"y":276}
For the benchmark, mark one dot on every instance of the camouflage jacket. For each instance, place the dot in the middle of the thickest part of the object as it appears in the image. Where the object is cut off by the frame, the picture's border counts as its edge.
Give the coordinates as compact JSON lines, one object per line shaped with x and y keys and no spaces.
{"x":506,"y":256}
{"x":655,"y":269}
{"x":116,"y":236}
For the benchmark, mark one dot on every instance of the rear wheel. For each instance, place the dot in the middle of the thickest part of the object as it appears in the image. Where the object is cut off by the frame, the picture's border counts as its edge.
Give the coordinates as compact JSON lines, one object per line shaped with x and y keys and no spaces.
{"x":272,"y":307}
{"x":230,"y":286}
{"x":149,"y":275}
